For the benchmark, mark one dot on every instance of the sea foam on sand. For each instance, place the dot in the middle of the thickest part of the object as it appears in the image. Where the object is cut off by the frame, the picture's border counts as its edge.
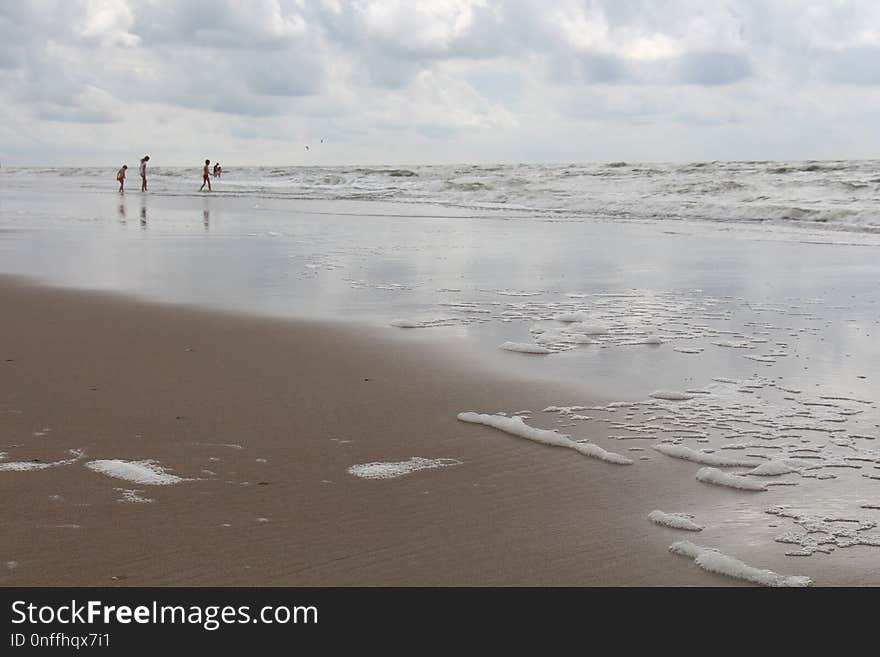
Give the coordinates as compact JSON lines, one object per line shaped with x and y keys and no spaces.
{"x":140,"y":472}
{"x":131,"y":496}
{"x":392,"y":469}
{"x":675,"y":521}
{"x":715,"y":476}
{"x":517,"y":427}
{"x":688,"y":454}
{"x":776,"y":468}
{"x":714,"y":561}
{"x":26,"y":466}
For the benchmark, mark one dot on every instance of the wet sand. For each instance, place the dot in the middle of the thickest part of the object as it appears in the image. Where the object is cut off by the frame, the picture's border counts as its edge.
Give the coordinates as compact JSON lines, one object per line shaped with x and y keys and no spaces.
{"x":265,"y":417}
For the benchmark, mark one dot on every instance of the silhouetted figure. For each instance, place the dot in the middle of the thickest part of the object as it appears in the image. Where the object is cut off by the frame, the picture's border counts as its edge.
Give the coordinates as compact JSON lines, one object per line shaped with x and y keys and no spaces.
{"x":120,"y":176}
{"x":206,"y":176}
{"x":143,"y":172}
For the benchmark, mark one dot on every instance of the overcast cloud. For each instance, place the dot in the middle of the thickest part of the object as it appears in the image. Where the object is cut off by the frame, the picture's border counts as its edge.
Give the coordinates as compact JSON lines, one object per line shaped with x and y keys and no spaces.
{"x":388,"y":81}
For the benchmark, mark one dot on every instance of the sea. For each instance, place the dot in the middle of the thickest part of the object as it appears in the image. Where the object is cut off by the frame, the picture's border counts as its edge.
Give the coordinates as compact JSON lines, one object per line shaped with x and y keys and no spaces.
{"x":825,"y":195}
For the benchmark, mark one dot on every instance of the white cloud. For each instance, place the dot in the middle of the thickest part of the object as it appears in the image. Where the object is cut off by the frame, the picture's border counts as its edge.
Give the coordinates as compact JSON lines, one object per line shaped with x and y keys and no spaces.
{"x":476,"y":80}
{"x":108,"y":22}
{"x":430,"y":26}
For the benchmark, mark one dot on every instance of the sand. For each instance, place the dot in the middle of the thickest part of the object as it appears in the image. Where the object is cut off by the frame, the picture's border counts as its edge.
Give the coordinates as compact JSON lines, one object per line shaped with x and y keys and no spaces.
{"x":264,"y":418}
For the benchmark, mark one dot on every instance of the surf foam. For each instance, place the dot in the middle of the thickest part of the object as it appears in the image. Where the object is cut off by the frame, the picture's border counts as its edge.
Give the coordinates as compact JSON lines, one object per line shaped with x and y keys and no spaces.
{"x":517,"y":427}
{"x":674,"y":520}
{"x":721,"y":460}
{"x":132,"y":496}
{"x":775,"y":468}
{"x":713,"y":561}
{"x":715,"y":476}
{"x":394,"y":469}
{"x":145,"y":472}
{"x":26,"y":466}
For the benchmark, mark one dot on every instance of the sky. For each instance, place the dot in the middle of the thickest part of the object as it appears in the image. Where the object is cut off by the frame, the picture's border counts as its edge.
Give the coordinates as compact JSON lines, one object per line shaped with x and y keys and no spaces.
{"x":249,"y":82}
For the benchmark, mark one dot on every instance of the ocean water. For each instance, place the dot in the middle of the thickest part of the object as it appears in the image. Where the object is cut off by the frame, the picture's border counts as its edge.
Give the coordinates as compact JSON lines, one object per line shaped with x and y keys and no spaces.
{"x":827,"y":195}
{"x":700,"y":315}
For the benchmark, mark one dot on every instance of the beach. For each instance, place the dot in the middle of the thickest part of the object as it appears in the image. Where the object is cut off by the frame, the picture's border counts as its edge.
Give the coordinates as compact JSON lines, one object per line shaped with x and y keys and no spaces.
{"x":237,"y":358}
{"x":263,"y":418}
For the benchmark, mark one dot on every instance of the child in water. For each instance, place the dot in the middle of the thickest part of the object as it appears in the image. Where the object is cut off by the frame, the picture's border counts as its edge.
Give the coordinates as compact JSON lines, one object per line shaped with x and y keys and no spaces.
{"x":143,"y":172}
{"x":206,"y":176}
{"x":120,"y":176}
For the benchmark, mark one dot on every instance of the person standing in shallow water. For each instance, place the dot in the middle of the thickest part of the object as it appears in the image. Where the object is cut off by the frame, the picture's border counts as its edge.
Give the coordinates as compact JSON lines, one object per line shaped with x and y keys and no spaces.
{"x":206,"y":176}
{"x":120,"y":176}
{"x":143,"y":172}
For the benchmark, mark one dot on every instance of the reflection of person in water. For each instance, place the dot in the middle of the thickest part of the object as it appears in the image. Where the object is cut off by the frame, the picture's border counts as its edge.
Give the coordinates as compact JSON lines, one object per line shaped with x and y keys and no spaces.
{"x":143,"y":215}
{"x":122,"y":212}
{"x":206,"y":218}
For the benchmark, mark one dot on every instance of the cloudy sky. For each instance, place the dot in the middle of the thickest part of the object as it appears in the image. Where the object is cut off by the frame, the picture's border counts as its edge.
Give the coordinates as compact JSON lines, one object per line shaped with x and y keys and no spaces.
{"x":424,"y":81}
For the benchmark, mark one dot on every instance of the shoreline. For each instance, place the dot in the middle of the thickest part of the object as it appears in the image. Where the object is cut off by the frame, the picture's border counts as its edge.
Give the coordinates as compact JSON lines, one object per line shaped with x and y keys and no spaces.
{"x":264,"y":417}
